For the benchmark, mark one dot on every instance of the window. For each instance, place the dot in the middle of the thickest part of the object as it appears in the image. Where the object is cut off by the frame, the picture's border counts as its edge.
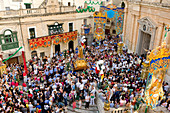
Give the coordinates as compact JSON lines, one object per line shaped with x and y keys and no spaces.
{"x":123,"y":5}
{"x":108,"y":21}
{"x":114,"y":31}
{"x":42,"y":54}
{"x":7,"y":8}
{"x":57,"y":28}
{"x":8,"y":38}
{"x":69,"y":4}
{"x":32,"y":33}
{"x":33,"y":54}
{"x":70,"y":27}
{"x":85,"y":21}
{"x":27,"y":5}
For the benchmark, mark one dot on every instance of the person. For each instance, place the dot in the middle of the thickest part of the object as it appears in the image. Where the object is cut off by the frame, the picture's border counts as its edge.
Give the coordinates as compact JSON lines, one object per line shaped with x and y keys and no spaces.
{"x":92,"y":99}
{"x":74,"y":105}
{"x":87,"y":99}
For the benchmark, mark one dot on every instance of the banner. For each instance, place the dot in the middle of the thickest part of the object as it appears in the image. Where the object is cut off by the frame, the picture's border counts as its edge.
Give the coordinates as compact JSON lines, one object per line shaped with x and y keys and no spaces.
{"x":99,"y":25}
{"x":46,"y":41}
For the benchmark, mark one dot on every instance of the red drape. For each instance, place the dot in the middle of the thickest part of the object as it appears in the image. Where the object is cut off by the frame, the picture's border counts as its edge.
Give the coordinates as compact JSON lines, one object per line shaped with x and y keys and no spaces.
{"x":25,"y":66}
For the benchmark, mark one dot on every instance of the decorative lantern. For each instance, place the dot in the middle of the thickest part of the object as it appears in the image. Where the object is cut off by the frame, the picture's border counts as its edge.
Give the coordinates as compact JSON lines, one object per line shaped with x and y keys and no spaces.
{"x":120,"y":47}
{"x":107,"y":106}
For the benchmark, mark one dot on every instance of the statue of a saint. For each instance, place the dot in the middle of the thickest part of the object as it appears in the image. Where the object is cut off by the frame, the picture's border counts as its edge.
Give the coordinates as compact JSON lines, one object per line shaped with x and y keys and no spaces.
{"x":80,"y":52}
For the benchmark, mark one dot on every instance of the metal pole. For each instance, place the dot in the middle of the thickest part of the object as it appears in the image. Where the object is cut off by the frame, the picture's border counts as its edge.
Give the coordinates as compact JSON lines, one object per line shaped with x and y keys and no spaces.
{"x":146,"y":109}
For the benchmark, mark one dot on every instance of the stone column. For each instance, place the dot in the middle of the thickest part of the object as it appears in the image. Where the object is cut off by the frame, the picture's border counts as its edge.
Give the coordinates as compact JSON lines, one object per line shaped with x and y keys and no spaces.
{"x":138,"y":41}
{"x":124,"y":24}
{"x":159,"y":35}
{"x":152,"y":39}
{"x":132,"y":31}
{"x":136,"y":28}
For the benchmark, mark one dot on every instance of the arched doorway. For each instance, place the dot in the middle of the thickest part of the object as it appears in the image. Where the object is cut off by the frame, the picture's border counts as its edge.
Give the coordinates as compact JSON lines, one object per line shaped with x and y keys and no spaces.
{"x":123,"y":5}
{"x":33,"y":54}
{"x":71,"y":46}
{"x":57,"y":48}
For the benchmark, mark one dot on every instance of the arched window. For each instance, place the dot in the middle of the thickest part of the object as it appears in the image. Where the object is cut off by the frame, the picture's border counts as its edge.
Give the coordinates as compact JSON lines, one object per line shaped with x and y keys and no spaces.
{"x":8,"y":36}
{"x":123,"y":5}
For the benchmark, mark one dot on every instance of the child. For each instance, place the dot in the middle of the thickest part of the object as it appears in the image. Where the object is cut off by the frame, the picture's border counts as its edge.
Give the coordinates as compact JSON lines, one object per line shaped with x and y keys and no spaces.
{"x":92,"y":99}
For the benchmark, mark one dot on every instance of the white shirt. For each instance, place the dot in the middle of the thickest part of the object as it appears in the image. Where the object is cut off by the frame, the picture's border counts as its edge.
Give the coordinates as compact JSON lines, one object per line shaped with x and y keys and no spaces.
{"x":87,"y":98}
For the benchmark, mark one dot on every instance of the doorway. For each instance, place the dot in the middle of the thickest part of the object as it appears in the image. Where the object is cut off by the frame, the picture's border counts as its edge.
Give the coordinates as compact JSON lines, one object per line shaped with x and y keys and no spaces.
{"x":71,"y":46}
{"x":145,"y":42}
{"x":57,"y":48}
{"x":107,"y":31}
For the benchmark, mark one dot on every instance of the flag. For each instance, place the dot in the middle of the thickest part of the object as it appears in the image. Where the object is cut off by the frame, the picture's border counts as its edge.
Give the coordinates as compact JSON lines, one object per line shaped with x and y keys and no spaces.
{"x":97,"y":71}
{"x":102,"y":76}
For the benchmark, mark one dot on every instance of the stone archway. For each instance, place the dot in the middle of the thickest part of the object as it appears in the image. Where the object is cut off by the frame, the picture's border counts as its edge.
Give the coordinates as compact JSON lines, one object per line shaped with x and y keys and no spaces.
{"x":146,"y":35}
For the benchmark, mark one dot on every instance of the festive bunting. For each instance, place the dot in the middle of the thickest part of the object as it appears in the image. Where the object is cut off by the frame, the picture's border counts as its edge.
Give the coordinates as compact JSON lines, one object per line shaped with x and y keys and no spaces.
{"x":89,"y":8}
{"x":93,"y":3}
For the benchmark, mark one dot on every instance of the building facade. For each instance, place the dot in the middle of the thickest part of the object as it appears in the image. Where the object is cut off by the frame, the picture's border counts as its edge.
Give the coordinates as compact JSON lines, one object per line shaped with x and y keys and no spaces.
{"x":144,"y":24}
{"x":19,"y":26}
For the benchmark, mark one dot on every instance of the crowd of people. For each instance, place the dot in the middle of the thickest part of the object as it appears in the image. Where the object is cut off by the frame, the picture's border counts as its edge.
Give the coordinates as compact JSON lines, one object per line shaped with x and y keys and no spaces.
{"x":51,"y":84}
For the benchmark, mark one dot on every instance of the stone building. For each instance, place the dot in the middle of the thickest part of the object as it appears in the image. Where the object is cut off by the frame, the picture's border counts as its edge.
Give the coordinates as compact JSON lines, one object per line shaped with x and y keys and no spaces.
{"x":144,"y":25}
{"x":17,"y":27}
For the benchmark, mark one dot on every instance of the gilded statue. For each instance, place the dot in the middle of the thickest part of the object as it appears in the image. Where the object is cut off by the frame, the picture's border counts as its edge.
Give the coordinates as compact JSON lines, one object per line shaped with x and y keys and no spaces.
{"x":80,"y":52}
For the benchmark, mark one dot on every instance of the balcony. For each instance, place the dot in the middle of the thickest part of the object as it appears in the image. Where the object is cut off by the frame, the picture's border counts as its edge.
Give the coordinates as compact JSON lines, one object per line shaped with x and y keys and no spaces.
{"x":37,"y":11}
{"x":8,"y":46}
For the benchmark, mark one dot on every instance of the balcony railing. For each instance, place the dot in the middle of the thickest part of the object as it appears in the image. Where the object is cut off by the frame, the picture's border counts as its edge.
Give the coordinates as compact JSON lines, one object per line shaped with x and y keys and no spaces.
{"x":8,"y":46}
{"x":36,"y":11}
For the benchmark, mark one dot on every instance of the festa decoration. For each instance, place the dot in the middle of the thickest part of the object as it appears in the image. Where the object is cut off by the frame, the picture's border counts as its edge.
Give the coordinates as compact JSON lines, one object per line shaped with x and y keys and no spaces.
{"x":159,"y":60}
{"x":57,"y":39}
{"x":93,"y":3}
{"x":99,"y":25}
{"x":89,"y":8}
{"x":109,"y":12}
{"x":2,"y":69}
